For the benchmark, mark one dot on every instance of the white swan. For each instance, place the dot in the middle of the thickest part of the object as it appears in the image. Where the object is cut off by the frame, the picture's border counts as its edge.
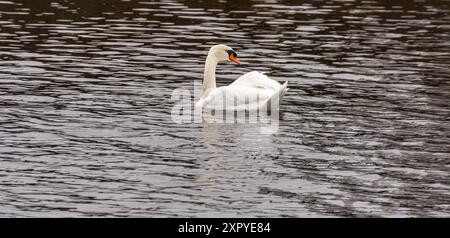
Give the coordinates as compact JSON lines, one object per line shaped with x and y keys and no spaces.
{"x":251,"y":91}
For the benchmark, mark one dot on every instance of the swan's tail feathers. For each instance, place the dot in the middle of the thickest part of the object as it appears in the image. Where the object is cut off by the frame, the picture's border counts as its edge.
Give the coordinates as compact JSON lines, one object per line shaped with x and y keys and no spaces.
{"x":279,"y":94}
{"x":276,"y":97}
{"x":282,"y":91}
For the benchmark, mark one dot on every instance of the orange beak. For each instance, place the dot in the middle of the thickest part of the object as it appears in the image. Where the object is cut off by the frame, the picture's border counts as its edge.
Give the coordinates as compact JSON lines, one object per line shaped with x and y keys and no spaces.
{"x":232,"y":58}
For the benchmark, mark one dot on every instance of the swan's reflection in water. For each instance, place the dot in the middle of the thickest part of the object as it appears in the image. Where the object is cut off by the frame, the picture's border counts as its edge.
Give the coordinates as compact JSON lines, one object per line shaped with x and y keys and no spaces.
{"x":238,"y":150}
{"x":254,"y":134}
{"x":232,"y":138}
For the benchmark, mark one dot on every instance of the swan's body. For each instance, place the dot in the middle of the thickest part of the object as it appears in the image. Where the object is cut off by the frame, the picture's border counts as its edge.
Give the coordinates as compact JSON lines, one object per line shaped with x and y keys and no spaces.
{"x":251,"y":91}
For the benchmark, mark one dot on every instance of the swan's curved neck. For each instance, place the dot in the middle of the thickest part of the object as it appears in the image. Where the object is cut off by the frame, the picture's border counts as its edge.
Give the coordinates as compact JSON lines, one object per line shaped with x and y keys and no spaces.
{"x":209,"y":76}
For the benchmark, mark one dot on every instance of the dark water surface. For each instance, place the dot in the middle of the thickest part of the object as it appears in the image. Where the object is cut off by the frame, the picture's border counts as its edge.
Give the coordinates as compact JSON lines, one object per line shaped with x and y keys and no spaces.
{"x":85,"y":109}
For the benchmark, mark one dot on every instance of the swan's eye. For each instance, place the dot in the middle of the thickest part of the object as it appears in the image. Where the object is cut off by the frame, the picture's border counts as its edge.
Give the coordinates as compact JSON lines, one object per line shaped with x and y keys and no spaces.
{"x":231,"y":52}
{"x":233,"y":56}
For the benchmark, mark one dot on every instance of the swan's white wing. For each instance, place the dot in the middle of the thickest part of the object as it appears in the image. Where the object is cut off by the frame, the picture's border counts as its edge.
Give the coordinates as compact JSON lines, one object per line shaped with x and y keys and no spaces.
{"x":234,"y":97}
{"x":249,"y":92}
{"x":258,"y":80}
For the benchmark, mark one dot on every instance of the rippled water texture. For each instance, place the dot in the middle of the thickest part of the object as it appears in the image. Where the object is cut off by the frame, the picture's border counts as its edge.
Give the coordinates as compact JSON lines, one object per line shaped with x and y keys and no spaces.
{"x":85,"y":109}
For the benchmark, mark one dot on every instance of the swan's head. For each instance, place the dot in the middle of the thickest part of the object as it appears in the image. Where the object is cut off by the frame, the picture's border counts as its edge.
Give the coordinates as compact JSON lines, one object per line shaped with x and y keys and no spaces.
{"x":224,"y":53}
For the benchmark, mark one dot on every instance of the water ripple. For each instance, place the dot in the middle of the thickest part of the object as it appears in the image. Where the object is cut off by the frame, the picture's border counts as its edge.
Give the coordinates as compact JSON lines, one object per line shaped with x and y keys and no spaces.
{"x":85,"y":109}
